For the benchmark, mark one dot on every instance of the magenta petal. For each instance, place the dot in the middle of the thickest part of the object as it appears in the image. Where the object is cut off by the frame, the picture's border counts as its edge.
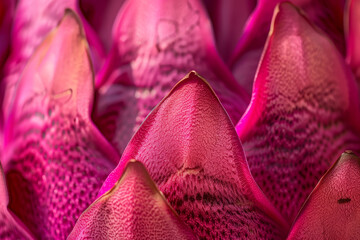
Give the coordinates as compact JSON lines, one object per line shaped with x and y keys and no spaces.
{"x":332,"y":209}
{"x":304,"y":111}
{"x":191,"y":150}
{"x":152,"y":50}
{"x":353,"y":35}
{"x":228,"y":19}
{"x":33,"y":20}
{"x":10,"y":227}
{"x":56,"y":158}
{"x":133,"y":209}
{"x":326,"y":14}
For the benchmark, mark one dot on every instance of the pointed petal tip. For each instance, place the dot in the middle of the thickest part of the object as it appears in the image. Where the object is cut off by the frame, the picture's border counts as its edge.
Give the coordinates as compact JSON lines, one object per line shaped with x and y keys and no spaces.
{"x":200,"y":141}
{"x":71,"y":15}
{"x":137,"y":169}
{"x":348,"y":155}
{"x":118,"y":207}
{"x":296,"y":62}
{"x":331,"y":209}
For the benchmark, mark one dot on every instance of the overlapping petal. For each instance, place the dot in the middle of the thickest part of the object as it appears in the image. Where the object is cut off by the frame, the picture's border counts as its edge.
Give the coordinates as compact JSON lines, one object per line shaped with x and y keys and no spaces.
{"x":332,"y":209}
{"x":152,"y":50}
{"x":133,"y":209}
{"x":31,"y":25}
{"x":10,"y":227}
{"x":304,"y":111}
{"x":325,"y":14}
{"x":192,"y":152}
{"x":56,"y":160}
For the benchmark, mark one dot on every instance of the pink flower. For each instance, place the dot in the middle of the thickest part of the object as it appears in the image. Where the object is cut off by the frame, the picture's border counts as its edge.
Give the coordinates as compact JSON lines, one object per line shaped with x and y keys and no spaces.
{"x":100,"y":139}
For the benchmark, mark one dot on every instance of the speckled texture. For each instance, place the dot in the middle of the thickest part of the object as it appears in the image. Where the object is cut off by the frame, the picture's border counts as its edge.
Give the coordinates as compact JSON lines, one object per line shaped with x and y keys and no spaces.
{"x":333,"y":209}
{"x":191,"y":150}
{"x":56,"y":159}
{"x":325,"y":14}
{"x":304,"y":112}
{"x":155,"y":44}
{"x":133,"y":209}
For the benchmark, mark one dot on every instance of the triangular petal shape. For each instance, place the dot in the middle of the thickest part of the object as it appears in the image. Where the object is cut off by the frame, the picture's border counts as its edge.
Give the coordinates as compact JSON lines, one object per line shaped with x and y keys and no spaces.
{"x":10,"y":227}
{"x":192,"y":152}
{"x":33,"y":21}
{"x":133,"y":209}
{"x":326,"y":14}
{"x":304,"y":111}
{"x":228,"y":19}
{"x":56,"y":160}
{"x":152,"y":50}
{"x":352,"y":25}
{"x":332,"y":209}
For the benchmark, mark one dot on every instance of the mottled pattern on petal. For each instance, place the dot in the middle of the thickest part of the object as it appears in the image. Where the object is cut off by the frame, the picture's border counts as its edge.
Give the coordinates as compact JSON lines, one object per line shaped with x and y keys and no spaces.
{"x":133,"y":209}
{"x":228,"y":19}
{"x":10,"y":227}
{"x":352,"y":22}
{"x":191,"y":150}
{"x":304,"y":111}
{"x":326,"y":14}
{"x":56,"y":160}
{"x":332,"y":211}
{"x":152,"y":50}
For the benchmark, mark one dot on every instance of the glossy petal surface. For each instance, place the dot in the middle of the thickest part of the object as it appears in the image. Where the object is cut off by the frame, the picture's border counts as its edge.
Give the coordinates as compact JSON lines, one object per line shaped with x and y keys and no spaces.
{"x":152,"y":50}
{"x":353,"y":35}
{"x":56,"y":160}
{"x":304,"y":111}
{"x":325,"y":14}
{"x":10,"y":228}
{"x":332,"y":211}
{"x":133,"y":209}
{"x":191,"y":150}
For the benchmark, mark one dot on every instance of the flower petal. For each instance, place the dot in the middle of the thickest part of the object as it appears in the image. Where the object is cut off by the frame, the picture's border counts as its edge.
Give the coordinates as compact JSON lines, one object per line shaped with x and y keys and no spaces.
{"x":191,"y":150}
{"x":353,"y":35}
{"x":56,"y":160}
{"x":145,"y":62}
{"x":228,"y":19}
{"x":332,"y":209}
{"x":10,"y":227}
{"x":304,"y":111}
{"x":326,"y":14}
{"x":31,"y":26}
{"x":133,"y":209}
